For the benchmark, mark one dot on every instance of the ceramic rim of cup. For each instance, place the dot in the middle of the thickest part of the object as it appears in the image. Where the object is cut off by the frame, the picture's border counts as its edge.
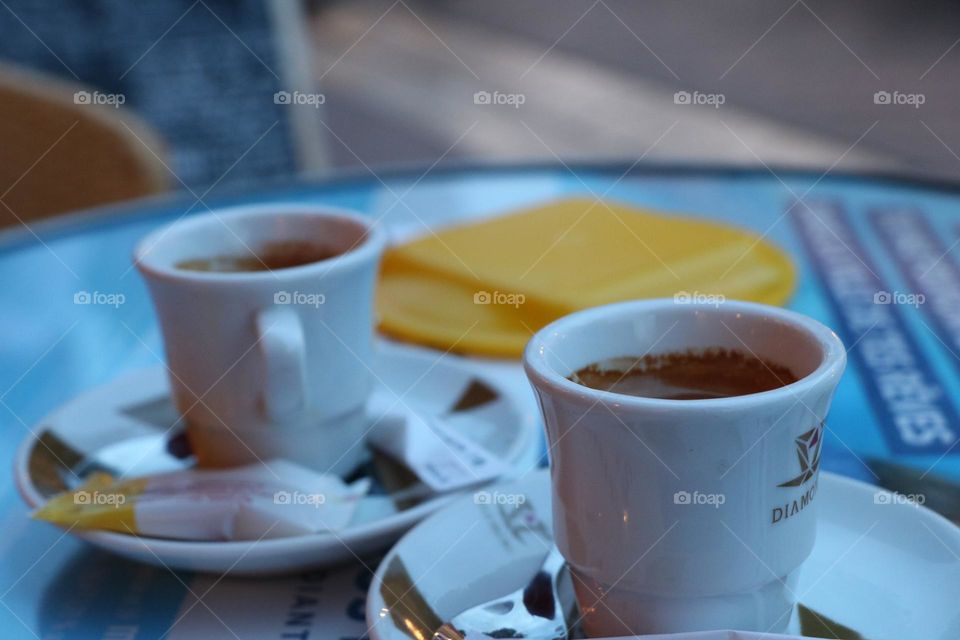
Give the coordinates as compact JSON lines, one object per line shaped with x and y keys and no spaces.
{"x":373,"y":242}
{"x":540,"y":371}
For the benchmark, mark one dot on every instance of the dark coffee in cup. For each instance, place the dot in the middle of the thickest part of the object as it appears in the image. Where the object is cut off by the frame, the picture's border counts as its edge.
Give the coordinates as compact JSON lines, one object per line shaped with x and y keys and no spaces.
{"x":270,"y":257}
{"x":689,"y":375}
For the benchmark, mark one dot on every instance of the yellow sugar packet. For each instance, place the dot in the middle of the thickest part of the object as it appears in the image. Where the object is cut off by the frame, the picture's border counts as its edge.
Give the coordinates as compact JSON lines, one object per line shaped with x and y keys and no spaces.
{"x":100,"y":503}
{"x":270,"y":500}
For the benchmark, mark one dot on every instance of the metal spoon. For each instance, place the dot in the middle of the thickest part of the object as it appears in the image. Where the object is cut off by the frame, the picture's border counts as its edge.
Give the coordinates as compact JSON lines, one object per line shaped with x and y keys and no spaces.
{"x":538,"y":610}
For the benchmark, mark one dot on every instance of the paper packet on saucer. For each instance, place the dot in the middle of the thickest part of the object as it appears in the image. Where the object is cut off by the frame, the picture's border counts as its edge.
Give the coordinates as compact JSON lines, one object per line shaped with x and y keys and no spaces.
{"x":443,"y":459}
{"x":270,"y":500}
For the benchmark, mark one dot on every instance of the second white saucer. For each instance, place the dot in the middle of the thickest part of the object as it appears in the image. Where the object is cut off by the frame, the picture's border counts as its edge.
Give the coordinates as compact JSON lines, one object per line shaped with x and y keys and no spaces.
{"x":128,"y":426}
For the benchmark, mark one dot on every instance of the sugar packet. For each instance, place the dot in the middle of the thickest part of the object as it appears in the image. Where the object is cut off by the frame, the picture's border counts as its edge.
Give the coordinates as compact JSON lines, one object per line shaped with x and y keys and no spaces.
{"x":440,"y":456}
{"x":273,"y":499}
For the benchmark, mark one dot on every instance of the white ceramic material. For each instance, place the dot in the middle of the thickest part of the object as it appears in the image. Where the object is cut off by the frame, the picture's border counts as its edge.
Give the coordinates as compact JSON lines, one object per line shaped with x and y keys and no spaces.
{"x":684,"y":514}
{"x":128,"y":423}
{"x":268,"y":363}
{"x":884,"y":568}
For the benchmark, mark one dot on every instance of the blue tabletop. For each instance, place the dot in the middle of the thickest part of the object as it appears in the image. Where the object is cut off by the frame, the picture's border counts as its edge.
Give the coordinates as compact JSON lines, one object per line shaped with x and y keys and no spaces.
{"x":876,"y":259}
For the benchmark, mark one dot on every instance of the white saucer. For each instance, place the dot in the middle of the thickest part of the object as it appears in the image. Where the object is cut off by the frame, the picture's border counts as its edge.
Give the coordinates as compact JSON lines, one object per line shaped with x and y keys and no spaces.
{"x":126,"y":425}
{"x":883,"y":568}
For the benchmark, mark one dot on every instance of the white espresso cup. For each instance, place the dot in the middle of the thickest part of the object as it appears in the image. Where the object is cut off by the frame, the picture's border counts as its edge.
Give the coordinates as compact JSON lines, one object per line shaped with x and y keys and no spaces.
{"x":271,"y":363}
{"x":684,"y":515}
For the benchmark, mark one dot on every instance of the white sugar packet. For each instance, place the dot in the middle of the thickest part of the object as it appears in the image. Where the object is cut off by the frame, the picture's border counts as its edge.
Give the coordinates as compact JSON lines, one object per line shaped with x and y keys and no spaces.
{"x":441,"y":457}
{"x":273,"y":499}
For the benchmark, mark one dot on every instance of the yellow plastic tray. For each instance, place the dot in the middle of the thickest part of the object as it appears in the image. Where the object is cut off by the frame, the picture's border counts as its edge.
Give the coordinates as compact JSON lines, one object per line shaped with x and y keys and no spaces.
{"x":485,"y":287}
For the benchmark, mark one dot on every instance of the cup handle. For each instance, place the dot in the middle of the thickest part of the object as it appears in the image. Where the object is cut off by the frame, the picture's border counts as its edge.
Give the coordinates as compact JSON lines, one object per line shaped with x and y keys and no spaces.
{"x":283,"y":349}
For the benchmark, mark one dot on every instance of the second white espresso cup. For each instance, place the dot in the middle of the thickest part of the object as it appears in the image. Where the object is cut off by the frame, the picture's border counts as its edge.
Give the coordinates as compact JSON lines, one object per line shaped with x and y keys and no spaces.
{"x":270,"y":363}
{"x":684,"y":515}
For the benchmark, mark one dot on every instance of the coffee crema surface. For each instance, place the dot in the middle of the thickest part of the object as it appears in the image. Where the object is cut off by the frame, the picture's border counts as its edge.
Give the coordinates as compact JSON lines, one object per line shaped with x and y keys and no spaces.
{"x":271,"y":257}
{"x":689,"y":375}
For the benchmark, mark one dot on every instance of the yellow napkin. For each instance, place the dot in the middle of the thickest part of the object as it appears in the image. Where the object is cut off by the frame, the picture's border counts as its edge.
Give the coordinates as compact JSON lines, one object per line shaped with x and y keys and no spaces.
{"x":485,"y":287}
